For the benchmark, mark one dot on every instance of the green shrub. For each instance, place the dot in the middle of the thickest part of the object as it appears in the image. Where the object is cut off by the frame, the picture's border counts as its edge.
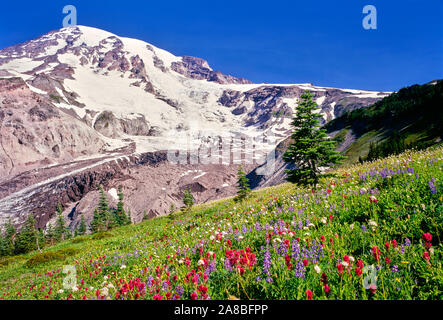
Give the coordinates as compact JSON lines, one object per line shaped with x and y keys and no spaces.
{"x":79,"y":239}
{"x":67,"y":252}
{"x":101,"y":235}
{"x":44,"y":257}
{"x":4,"y":261}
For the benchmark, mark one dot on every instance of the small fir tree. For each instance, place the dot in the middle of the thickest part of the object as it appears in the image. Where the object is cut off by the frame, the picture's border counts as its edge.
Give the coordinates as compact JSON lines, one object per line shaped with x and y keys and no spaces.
{"x":50,"y":236}
{"x":188,"y":199}
{"x":60,"y":225}
{"x":242,"y":184}
{"x":82,"y":227}
{"x":8,"y":238}
{"x":311,"y":148}
{"x":121,"y":217}
{"x":27,"y":238}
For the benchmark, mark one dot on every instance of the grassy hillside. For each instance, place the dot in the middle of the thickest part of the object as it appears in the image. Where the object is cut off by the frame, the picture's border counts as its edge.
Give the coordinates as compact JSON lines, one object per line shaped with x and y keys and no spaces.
{"x":414,"y":112}
{"x":283,"y":243}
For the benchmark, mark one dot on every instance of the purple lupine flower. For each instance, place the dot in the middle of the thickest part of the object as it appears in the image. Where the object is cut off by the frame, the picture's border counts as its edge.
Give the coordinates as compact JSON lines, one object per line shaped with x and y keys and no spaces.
{"x":228,"y":265}
{"x":431,"y":184}
{"x":363,"y":227}
{"x":395,"y":268}
{"x":269,"y":280}
{"x":407,"y":242}
{"x":180,"y":290}
{"x":212,"y":266}
{"x":149,"y":281}
{"x":267,"y":262}
{"x":300,"y":269}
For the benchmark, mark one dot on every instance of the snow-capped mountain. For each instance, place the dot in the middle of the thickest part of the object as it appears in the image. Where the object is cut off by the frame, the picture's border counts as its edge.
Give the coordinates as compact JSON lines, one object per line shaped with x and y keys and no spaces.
{"x":79,"y":99}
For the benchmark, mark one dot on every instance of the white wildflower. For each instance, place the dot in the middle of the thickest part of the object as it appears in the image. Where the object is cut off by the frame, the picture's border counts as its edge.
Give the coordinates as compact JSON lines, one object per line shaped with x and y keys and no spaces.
{"x":104,"y":291}
{"x":373,"y":223}
{"x":317,"y":269}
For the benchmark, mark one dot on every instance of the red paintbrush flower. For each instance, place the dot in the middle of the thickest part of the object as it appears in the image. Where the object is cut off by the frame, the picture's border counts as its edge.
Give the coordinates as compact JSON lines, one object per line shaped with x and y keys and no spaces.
{"x":324,"y":278}
{"x":376,"y":253}
{"x":427,"y":237}
{"x":308,"y":294}
{"x":340,"y":268}
{"x":327,"y":289}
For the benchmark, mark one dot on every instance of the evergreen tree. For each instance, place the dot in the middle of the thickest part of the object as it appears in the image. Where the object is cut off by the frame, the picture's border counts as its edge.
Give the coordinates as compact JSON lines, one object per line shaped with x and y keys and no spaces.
{"x":26,"y":239}
{"x":101,"y":218}
{"x":121,"y":217}
{"x":242,"y":184}
{"x":82,"y":227}
{"x":2,"y":246}
{"x":172,"y":208}
{"x":188,"y":199}
{"x":50,"y":236}
{"x":8,"y":239}
{"x":103,"y":211}
{"x":60,"y":225}
{"x":311,"y":148}
{"x":68,"y":233}
{"x":103,"y":203}
{"x":97,"y":222}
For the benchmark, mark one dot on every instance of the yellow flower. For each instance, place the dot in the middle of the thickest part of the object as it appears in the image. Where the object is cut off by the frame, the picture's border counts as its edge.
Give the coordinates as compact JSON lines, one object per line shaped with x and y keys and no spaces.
{"x":397,"y":279}
{"x":405,"y":262}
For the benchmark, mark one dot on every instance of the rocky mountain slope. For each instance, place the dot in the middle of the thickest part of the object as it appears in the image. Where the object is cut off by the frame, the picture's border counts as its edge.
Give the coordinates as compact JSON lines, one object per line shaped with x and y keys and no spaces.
{"x":82,"y":107}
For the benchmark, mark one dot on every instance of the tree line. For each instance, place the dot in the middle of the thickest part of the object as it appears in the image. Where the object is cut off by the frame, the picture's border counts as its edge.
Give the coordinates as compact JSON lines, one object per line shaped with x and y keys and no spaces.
{"x":395,"y":144}
{"x":29,"y":238}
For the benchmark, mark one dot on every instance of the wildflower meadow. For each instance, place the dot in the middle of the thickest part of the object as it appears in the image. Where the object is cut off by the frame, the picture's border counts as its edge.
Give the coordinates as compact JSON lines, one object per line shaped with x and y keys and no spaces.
{"x":371,"y":232}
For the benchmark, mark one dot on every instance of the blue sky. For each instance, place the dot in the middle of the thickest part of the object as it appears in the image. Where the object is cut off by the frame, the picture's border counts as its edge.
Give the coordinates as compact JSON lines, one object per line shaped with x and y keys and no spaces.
{"x":322,"y":42}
